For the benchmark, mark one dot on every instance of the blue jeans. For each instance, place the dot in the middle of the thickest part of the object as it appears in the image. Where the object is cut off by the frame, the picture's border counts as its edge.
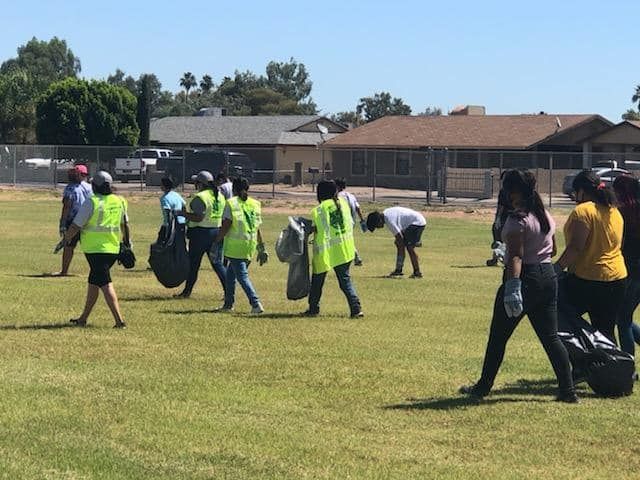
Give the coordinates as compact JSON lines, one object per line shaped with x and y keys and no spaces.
{"x":200,"y":243}
{"x":628,"y":331}
{"x":344,"y":280}
{"x":238,"y":269}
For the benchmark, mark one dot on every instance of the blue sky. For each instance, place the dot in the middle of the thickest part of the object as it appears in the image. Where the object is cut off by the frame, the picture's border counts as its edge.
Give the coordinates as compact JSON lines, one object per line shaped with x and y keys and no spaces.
{"x":513,"y":57}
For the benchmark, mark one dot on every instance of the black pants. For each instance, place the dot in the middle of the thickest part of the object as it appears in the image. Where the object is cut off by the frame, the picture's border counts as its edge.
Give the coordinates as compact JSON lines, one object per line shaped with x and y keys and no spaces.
{"x":539,"y":293}
{"x":601,"y":300}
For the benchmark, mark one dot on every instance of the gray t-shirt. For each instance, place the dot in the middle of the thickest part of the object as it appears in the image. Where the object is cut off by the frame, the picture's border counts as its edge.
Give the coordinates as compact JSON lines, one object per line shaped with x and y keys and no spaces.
{"x":85,"y":212}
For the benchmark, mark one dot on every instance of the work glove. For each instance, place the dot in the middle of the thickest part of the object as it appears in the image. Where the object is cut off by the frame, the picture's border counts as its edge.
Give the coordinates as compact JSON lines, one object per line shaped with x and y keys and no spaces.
{"x":513,"y":297}
{"x":263,"y":256}
{"x":363,"y":225}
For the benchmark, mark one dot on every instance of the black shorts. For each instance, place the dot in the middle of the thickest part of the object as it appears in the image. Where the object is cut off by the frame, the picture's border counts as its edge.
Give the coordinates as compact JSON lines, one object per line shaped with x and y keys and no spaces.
{"x":412,"y":235}
{"x":100,"y":264}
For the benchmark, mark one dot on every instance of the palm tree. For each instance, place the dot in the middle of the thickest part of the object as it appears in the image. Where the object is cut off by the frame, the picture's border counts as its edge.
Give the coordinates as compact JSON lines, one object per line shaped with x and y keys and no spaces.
{"x":636,"y":95}
{"x":206,"y":84}
{"x":188,"y":81}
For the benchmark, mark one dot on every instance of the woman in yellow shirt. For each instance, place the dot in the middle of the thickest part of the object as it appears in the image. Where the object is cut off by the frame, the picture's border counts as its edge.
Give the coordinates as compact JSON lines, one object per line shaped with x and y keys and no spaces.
{"x":593,"y":253}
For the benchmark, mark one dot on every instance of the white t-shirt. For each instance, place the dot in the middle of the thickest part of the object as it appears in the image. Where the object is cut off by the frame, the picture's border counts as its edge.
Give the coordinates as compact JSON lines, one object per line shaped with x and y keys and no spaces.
{"x":398,"y":219}
{"x":226,"y":189}
{"x":353,"y":203}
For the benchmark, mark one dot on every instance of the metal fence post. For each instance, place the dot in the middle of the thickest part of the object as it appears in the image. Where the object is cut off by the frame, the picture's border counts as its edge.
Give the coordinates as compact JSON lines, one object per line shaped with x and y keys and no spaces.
{"x":550,"y":178}
{"x":273,"y":184}
{"x":184,"y":173}
{"x":445,"y":165}
{"x":375,"y":171}
{"x":15,"y":166}
{"x":427,"y":170}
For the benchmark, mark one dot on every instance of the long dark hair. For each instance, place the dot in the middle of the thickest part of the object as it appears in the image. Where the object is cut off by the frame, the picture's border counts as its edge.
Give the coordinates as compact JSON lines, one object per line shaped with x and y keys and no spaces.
{"x":241,"y":187}
{"x":327,"y":190}
{"x":590,"y":183}
{"x":524,"y":182}
{"x":104,"y":189}
{"x":627,"y":190}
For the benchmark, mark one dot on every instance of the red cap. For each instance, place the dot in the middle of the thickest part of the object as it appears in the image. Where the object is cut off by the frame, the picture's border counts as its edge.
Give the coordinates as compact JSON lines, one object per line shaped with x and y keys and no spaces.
{"x":82,"y":169}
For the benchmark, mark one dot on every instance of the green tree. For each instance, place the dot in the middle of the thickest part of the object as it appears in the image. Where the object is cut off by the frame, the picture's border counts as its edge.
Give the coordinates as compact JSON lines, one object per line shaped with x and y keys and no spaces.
{"x":46,"y":62}
{"x":17,"y":109}
{"x":291,"y":79}
{"x":80,"y":112}
{"x":121,"y":79}
{"x":206,"y":84}
{"x":348,"y":118}
{"x":380,"y":105}
{"x":188,"y":81}
{"x":265,"y":101}
{"x":631,"y":114}
{"x":143,"y":112}
{"x":431,"y":112}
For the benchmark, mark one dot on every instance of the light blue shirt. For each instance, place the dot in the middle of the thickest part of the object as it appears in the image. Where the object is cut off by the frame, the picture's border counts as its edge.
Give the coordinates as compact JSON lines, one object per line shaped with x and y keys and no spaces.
{"x":171,"y":201}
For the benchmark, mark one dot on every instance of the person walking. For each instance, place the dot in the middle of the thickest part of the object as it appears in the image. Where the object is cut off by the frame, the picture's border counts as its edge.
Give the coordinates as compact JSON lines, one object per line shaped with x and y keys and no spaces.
{"x":171,"y":202}
{"x":354,"y":206}
{"x":333,"y":247}
{"x":407,"y":226}
{"x":102,"y":223}
{"x":627,"y":190}
{"x":593,"y":254}
{"x":73,"y":196}
{"x":242,"y":238}
{"x":529,"y":287}
{"x":204,"y":219}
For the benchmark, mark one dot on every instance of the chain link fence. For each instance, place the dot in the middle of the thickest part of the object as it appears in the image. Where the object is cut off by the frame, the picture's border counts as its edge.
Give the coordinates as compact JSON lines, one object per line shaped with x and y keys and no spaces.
{"x":432,"y":176}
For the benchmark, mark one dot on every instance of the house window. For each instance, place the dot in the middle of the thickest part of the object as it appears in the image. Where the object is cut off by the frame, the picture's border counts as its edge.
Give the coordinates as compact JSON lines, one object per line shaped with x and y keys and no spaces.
{"x":357,"y":163}
{"x":403,"y":163}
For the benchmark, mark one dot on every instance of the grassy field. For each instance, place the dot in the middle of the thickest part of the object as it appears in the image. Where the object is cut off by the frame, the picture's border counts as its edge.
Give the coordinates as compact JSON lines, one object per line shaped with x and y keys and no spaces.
{"x":185,"y":393}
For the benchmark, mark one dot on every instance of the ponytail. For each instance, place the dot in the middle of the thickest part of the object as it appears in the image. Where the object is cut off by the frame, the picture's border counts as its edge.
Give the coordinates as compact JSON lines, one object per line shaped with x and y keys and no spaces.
{"x":590,"y":183}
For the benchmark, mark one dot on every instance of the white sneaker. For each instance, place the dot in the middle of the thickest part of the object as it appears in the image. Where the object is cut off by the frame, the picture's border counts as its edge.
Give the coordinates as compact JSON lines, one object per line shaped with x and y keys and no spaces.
{"x":223,"y":309}
{"x":257,"y":310}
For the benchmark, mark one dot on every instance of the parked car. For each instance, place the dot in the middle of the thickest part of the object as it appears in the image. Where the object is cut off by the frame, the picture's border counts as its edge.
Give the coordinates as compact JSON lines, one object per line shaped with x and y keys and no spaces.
{"x":138,"y":163}
{"x":234,"y":164}
{"x":606,"y":174}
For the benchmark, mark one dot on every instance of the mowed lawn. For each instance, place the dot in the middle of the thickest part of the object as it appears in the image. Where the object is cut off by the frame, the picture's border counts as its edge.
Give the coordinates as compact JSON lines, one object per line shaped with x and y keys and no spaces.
{"x":185,"y":393}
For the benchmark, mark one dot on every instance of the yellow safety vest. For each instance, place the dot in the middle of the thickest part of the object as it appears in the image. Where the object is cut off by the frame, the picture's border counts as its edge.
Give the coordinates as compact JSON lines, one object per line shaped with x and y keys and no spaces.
{"x":214,"y":207}
{"x":242,"y":238}
{"x":333,"y":243}
{"x":102,"y":233}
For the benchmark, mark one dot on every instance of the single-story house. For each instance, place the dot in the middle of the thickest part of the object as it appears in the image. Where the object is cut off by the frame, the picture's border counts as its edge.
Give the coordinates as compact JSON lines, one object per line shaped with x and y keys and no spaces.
{"x":273,"y":142}
{"x":396,"y":149}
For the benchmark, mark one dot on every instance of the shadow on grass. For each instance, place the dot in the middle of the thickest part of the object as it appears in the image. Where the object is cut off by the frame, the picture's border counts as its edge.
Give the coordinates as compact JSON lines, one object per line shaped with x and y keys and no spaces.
{"x":451,"y":403}
{"x":192,"y":312}
{"x":43,"y":326}
{"x":470,"y":266}
{"x":147,"y":298}
{"x":45,"y":275}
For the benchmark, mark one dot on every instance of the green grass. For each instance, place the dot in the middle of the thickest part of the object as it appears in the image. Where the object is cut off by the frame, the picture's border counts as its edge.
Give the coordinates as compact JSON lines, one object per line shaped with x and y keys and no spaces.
{"x":186,"y":393}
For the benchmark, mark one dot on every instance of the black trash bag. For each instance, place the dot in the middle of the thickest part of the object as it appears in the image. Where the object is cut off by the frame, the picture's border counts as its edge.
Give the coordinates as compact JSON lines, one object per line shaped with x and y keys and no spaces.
{"x":608,"y":370}
{"x":168,"y":257}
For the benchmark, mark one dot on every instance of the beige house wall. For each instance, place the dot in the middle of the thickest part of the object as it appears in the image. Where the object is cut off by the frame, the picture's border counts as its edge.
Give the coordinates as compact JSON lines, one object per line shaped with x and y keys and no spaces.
{"x":310,"y":157}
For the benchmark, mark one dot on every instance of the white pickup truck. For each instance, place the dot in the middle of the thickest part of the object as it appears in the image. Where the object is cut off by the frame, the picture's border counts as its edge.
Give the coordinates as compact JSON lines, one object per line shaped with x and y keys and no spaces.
{"x":136,"y":165}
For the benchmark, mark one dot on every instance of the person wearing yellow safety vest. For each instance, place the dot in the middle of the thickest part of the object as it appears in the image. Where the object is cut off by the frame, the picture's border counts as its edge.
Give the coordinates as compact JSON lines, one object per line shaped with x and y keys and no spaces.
{"x":205,"y":218}
{"x":333,"y":248}
{"x":102,"y":222}
{"x":242,"y":239}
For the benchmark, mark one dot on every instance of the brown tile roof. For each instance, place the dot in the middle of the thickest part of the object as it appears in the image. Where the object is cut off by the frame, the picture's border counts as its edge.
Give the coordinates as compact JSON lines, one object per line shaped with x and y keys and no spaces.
{"x":454,"y":131}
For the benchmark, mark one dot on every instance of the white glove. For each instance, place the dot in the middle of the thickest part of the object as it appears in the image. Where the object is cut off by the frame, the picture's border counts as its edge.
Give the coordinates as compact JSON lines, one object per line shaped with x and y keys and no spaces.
{"x":513,"y":297}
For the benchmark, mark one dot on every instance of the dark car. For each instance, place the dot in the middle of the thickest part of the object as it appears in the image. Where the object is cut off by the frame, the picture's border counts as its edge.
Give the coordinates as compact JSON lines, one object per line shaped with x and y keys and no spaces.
{"x":606,"y":174}
{"x":233,"y":164}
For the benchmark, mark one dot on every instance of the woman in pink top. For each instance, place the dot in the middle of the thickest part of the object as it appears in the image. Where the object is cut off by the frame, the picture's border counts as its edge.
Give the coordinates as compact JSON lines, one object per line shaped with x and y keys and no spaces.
{"x":529,"y":287}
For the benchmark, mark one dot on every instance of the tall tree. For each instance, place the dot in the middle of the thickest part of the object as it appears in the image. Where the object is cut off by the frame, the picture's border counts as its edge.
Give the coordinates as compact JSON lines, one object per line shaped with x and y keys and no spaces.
{"x":380,"y":105}
{"x":291,"y":79}
{"x":79,"y":112}
{"x":636,"y":96}
{"x":143,"y":112}
{"x":348,"y":118}
{"x":206,"y":84}
{"x":188,"y":81}
{"x":631,"y":114}
{"x":17,"y":109}
{"x":46,"y":62}
{"x":121,"y":79}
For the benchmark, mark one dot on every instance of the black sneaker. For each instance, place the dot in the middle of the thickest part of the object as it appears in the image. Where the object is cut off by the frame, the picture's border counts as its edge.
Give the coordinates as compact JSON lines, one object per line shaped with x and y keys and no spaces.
{"x":473,"y":391}
{"x":416,"y":275}
{"x":358,"y":314}
{"x":568,"y":398}
{"x":311,"y":313}
{"x":396,"y":273}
